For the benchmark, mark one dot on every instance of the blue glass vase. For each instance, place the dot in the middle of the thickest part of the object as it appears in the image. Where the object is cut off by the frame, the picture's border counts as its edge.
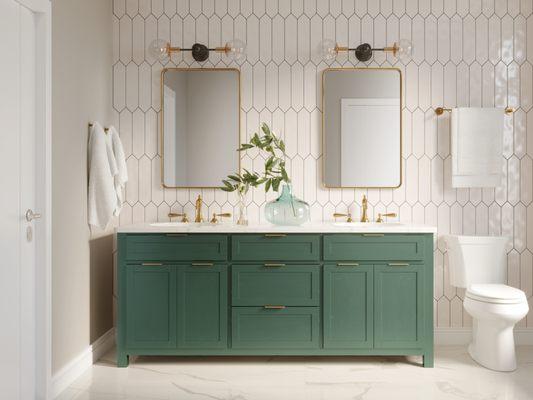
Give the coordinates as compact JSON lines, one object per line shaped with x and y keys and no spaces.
{"x":287,"y":209}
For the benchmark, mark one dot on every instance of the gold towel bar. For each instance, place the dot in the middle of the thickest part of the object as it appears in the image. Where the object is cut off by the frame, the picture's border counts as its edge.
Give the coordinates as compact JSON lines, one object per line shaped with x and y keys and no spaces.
{"x":440,"y":110}
{"x":105,"y":129}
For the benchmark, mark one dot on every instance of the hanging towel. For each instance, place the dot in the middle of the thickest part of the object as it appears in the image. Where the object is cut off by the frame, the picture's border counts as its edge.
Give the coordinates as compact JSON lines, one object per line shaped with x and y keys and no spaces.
{"x":102,"y":196}
{"x":121,"y":177}
{"x":477,"y":147}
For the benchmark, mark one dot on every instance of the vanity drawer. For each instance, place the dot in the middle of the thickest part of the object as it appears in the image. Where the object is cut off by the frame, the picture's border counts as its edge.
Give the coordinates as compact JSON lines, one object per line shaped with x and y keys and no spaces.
{"x":264,"y":328}
{"x":275,"y":247}
{"x":275,"y":283}
{"x":177,"y":247}
{"x":360,"y":247}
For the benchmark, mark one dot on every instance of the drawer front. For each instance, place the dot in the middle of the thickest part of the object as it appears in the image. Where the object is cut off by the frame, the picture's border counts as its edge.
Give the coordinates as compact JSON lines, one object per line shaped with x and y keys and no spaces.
{"x":289,"y":328}
{"x":177,"y":247}
{"x":276,"y":283}
{"x":370,"y":247}
{"x":275,"y":247}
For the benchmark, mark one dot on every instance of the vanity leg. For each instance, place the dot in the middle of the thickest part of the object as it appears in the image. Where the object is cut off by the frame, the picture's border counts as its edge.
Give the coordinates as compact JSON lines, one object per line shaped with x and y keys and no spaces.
{"x":122,"y":360}
{"x":427,"y":359}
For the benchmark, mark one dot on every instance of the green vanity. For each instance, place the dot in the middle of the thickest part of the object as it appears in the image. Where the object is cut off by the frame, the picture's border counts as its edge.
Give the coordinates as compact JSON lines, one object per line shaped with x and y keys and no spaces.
{"x":221,"y":292}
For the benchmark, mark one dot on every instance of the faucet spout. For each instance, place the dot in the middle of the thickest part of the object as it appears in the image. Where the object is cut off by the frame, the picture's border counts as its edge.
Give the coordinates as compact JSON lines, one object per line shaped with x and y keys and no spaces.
{"x":364,"y":210}
{"x":198,"y":217}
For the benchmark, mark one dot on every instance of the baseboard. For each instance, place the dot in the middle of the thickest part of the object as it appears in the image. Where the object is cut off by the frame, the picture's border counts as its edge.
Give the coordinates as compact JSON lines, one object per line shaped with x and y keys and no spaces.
{"x":74,"y":369}
{"x":462,"y":336}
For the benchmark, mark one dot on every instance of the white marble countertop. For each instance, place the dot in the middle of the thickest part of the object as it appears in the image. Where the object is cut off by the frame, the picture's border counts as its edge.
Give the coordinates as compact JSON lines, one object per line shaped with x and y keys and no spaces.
{"x":311,"y":227}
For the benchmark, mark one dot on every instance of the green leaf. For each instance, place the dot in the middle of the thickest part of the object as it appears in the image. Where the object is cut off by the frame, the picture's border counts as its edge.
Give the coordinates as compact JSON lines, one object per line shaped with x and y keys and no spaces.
{"x":235,"y":178}
{"x":284,"y":175}
{"x":268,"y":184}
{"x":275,"y":184}
{"x":265,"y":128}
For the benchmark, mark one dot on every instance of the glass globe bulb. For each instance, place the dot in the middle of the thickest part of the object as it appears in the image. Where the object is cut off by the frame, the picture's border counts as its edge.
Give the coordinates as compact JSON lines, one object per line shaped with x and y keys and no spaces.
{"x":327,"y":49}
{"x":405,"y":49}
{"x":236,"y":49}
{"x":159,"y":49}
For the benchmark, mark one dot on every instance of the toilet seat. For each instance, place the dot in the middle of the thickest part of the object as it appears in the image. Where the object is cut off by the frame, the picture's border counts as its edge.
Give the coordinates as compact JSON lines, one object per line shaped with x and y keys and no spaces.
{"x":496,"y":293}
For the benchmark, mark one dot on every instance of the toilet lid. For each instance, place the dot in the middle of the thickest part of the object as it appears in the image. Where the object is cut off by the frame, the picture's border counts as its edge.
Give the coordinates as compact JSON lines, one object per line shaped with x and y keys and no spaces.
{"x":496,"y":293}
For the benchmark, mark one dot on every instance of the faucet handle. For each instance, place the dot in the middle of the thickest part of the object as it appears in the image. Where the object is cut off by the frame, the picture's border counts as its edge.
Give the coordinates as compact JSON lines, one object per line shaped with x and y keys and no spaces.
{"x":348,"y":216}
{"x":380,"y":216}
{"x":214,"y":220}
{"x":175,"y":215}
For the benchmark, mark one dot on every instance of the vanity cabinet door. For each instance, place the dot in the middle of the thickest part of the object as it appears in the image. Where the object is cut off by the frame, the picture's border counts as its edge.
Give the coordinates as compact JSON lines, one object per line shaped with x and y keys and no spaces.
{"x":150,"y":306}
{"x":202,"y":306}
{"x":348,"y":306}
{"x":398,"y":306}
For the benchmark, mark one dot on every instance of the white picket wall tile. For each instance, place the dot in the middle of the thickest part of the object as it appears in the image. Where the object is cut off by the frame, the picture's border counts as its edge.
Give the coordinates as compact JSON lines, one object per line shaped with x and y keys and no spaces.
{"x":467,"y":53}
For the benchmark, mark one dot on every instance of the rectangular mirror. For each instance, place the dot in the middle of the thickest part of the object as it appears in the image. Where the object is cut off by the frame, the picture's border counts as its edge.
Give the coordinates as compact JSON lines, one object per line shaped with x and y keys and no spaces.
{"x":200,"y":126}
{"x":361,"y":127}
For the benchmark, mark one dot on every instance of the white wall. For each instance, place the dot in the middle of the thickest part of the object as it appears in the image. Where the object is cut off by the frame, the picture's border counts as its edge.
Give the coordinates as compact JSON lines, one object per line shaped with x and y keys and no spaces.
{"x":81,"y":92}
{"x":468,"y":53}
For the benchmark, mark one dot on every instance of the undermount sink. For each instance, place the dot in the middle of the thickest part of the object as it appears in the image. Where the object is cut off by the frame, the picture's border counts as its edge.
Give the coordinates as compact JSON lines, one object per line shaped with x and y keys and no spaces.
{"x":366,"y":224}
{"x":167,"y":224}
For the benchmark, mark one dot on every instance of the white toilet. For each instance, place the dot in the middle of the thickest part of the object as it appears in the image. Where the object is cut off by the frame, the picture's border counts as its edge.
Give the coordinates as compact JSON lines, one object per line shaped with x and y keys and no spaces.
{"x":478,"y":263}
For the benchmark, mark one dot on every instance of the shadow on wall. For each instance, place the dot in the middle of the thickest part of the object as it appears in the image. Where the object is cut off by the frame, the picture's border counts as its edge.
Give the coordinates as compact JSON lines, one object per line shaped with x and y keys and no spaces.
{"x":101,"y":285}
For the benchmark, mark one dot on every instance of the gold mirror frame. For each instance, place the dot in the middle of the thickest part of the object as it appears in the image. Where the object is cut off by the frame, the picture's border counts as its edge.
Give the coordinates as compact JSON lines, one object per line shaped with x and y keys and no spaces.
{"x":161,"y":120}
{"x":324,"y":132}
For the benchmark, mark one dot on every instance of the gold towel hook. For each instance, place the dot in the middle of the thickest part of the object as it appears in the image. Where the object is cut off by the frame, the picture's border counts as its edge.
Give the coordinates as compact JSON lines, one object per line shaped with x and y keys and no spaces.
{"x":440,"y":110}
{"x":106,"y":130}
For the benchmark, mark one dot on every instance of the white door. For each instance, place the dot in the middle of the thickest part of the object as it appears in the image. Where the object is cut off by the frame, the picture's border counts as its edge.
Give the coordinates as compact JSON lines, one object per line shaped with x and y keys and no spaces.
{"x":20,"y":161}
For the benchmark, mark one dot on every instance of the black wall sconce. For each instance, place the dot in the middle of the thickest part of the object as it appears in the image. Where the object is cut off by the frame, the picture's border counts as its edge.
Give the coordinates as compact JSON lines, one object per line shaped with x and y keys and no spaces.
{"x":161,"y":50}
{"x":329,"y":50}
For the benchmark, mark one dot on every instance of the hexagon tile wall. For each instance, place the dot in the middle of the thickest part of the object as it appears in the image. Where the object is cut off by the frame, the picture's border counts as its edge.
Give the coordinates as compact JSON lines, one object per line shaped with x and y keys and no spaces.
{"x":467,"y":53}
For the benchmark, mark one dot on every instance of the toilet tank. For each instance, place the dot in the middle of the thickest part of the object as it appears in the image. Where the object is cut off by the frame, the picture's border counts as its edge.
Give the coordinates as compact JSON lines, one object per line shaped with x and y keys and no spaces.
{"x":476,"y":259}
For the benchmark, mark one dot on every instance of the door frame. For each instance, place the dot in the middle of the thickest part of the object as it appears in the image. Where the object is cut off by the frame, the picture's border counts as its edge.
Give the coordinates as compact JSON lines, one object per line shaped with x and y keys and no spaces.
{"x":42,"y":334}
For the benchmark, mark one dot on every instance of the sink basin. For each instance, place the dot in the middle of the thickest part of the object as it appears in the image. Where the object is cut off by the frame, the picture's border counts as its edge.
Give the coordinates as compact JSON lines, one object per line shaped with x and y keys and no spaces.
{"x":168,"y":224}
{"x":366,"y":224}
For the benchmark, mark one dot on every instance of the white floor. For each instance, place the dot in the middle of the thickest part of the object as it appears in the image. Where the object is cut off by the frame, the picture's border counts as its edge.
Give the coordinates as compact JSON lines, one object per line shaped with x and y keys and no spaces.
{"x":455,"y":376}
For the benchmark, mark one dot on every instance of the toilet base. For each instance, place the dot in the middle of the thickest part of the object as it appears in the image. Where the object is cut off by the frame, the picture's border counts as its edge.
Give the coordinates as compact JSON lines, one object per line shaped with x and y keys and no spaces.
{"x":493,"y":343}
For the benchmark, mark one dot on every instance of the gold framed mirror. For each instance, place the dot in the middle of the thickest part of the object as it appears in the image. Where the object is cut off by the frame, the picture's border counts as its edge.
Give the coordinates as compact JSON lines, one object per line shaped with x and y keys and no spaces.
{"x":200,"y":126}
{"x":362,"y":127}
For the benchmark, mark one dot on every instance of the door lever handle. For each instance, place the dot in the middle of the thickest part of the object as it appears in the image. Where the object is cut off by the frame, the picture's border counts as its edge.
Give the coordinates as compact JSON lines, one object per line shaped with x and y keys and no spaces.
{"x":30,"y":215}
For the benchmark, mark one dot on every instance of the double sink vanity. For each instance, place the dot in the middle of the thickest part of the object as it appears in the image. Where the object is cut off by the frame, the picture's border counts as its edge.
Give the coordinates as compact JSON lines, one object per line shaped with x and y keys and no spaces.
{"x":208,"y":289}
{"x":318,"y":289}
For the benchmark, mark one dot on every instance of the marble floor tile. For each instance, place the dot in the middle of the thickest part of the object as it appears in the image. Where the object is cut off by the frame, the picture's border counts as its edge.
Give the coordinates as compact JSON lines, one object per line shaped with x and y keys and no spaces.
{"x":455,"y":376}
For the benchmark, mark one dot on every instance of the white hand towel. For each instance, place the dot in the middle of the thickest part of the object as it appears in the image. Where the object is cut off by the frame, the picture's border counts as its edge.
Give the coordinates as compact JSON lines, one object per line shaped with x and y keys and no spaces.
{"x":121,"y":177}
{"x":102,"y":197}
{"x":477,"y":146}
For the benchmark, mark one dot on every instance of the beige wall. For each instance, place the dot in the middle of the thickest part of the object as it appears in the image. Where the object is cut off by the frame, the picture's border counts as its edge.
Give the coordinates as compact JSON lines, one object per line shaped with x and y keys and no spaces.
{"x":81,"y":92}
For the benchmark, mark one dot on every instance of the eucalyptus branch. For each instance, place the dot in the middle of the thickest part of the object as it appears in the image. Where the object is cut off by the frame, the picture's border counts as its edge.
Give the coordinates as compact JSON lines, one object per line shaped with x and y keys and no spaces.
{"x":274,"y":173}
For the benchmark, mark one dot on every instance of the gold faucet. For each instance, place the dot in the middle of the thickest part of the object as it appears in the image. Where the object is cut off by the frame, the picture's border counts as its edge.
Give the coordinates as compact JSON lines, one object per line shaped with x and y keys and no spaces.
{"x":214,"y":220}
{"x":380,"y":216}
{"x":198,"y":217}
{"x":348,"y":216}
{"x":175,"y":215}
{"x":364,"y":209}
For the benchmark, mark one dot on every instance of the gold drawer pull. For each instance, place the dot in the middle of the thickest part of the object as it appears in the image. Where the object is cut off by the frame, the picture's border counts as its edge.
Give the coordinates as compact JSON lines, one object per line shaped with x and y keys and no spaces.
{"x":274,"y":265}
{"x":151,"y":264}
{"x":176,"y":234}
{"x":272,"y":235}
{"x":271,"y":307}
{"x":206,"y":264}
{"x":347,"y":264}
{"x":399,"y":264}
{"x":373,"y":234}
